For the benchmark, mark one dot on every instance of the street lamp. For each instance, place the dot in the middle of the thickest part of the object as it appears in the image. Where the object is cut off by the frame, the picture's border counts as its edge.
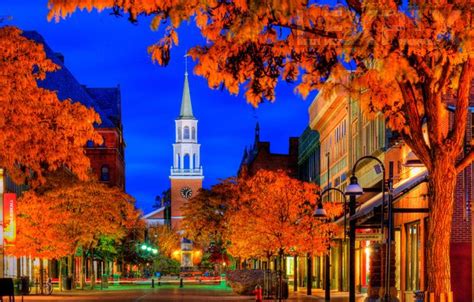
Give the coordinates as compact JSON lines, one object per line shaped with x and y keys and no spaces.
{"x":320,"y":213}
{"x":354,"y":190}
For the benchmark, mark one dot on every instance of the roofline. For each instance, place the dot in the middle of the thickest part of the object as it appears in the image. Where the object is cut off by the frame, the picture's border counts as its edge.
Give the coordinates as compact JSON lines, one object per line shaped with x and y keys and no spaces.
{"x":154,"y":212}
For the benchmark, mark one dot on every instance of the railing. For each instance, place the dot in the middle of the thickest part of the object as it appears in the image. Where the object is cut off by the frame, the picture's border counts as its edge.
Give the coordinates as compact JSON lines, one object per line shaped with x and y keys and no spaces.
{"x":192,"y":172}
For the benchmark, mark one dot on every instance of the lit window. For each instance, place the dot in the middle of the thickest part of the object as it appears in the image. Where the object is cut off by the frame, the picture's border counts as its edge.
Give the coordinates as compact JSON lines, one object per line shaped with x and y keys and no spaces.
{"x":105,"y":173}
{"x":413,"y":257}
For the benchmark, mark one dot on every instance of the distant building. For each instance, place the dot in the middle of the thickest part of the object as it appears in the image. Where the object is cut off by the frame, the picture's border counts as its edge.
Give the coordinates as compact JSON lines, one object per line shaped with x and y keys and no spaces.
{"x":259,"y":157}
{"x":107,"y":159}
{"x":309,"y":149}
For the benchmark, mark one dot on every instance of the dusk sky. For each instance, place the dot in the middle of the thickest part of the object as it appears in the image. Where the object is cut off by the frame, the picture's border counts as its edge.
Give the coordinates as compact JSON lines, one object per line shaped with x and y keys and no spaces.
{"x":105,"y":51}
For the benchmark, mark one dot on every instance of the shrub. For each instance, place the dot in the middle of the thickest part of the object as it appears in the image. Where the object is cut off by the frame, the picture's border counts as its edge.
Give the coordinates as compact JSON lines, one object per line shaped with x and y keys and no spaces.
{"x":243,"y":282}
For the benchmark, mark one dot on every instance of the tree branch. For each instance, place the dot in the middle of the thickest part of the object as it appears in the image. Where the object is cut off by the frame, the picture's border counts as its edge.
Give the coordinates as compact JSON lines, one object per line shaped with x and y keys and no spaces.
{"x":315,"y":31}
{"x":462,"y":103}
{"x":415,"y":137}
{"x":465,"y":162}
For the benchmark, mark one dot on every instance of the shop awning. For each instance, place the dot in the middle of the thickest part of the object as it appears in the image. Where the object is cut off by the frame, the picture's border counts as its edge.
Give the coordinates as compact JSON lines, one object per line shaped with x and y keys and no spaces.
{"x":400,"y":189}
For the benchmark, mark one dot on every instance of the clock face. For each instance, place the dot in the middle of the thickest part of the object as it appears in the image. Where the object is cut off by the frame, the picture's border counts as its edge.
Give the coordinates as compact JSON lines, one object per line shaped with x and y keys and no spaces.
{"x":186,"y":192}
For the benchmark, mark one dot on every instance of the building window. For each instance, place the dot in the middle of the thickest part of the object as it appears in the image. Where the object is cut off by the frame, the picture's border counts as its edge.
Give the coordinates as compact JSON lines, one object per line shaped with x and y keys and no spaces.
{"x":186,"y":132}
{"x":179,"y":134}
{"x":193,"y":133}
{"x":105,"y":173}
{"x":472,"y":126}
{"x":413,"y":257}
{"x":90,"y":144}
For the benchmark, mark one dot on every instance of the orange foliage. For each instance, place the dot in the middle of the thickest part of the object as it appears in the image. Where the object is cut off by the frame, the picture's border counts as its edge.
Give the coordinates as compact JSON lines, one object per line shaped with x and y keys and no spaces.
{"x":273,"y":212}
{"x":408,"y":59}
{"x":165,"y":238}
{"x":404,"y":60}
{"x":55,"y":223}
{"x":37,"y":130}
{"x":205,"y":215}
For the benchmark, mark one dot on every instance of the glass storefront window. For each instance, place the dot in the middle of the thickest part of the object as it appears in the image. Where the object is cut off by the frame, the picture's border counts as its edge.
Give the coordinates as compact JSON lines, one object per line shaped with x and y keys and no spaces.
{"x":413,"y":257}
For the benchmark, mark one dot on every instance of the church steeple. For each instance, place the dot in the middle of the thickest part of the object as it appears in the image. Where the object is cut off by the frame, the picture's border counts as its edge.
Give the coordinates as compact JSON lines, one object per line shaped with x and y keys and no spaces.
{"x":186,"y":106}
{"x":186,"y":149}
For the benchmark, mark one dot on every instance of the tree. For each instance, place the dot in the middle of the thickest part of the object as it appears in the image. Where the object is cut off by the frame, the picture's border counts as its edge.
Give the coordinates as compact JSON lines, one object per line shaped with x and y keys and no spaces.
{"x":166,"y":238}
{"x":164,"y":200}
{"x":411,"y":59}
{"x":67,"y":214}
{"x":205,"y":219}
{"x":38,"y":131}
{"x":38,"y":232}
{"x":271,"y":214}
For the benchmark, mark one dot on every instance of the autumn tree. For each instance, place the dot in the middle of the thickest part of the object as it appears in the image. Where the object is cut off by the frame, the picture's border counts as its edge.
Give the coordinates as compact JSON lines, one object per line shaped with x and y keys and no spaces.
{"x":270,"y":216}
{"x":66,"y":215}
{"x":38,"y":131}
{"x":205,"y":219}
{"x":410,"y":60}
{"x":165,"y":238}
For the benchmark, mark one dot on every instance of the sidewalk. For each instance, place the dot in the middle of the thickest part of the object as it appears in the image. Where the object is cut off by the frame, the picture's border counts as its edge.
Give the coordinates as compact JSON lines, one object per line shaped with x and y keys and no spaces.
{"x":318,"y":295}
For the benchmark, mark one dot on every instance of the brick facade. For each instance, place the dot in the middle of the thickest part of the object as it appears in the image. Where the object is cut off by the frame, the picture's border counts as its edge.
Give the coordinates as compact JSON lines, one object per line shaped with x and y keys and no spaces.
{"x":259,"y":157}
{"x":177,"y":200}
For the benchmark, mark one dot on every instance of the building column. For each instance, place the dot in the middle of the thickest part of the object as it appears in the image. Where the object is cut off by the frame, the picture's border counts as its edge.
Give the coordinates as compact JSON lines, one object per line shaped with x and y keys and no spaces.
{"x":181,"y":161}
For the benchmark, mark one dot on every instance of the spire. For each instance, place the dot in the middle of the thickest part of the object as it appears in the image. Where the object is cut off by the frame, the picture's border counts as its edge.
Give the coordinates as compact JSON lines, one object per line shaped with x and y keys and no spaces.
{"x":257,"y":134}
{"x":186,"y":107}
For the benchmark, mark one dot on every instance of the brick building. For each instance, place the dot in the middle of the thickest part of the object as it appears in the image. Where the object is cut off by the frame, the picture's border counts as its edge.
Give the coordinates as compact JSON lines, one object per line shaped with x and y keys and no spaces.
{"x":365,"y":136}
{"x":108,"y":159}
{"x":259,"y":157}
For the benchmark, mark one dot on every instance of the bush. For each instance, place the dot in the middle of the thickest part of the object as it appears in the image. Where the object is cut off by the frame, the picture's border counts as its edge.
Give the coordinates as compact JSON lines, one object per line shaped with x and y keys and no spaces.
{"x":243,"y":282}
{"x":166,"y":266}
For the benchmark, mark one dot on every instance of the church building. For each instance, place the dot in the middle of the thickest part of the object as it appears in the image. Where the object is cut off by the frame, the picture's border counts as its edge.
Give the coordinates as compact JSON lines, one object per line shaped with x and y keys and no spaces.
{"x":186,"y":174}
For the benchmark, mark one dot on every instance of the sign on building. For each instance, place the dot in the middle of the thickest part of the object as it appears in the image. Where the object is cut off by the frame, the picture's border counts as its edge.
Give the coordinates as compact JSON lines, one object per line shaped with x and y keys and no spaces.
{"x":9,"y":218}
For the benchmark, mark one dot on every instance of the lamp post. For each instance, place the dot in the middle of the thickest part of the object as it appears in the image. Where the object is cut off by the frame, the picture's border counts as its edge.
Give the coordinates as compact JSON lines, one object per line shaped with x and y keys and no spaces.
{"x":354,"y":190}
{"x":320,"y":213}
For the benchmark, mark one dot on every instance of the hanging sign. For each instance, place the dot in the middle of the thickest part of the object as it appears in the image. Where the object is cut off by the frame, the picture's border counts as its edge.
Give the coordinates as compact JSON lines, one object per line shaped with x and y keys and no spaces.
{"x":368,"y":237}
{"x":9,"y":218}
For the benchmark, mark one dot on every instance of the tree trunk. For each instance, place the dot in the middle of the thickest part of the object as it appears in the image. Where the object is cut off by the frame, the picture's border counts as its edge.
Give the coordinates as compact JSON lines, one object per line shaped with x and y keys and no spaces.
{"x":92,"y":269}
{"x":60,"y":279}
{"x":70,"y":273}
{"x":83,"y":269}
{"x":442,"y":184}
{"x":41,"y":282}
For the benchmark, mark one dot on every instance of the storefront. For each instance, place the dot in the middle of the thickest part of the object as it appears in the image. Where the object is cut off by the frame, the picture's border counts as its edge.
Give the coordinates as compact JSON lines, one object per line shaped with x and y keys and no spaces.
{"x":410,"y":219}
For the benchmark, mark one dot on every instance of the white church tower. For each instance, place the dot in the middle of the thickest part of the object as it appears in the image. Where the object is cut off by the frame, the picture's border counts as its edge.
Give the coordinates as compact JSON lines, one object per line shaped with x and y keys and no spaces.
{"x":186,"y":173}
{"x":186,"y":150}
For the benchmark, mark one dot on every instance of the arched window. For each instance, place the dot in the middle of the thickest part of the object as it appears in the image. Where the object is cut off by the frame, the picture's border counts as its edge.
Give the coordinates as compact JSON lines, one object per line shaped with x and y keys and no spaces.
{"x":90,"y":144}
{"x":179,"y":133}
{"x":186,"y":132}
{"x":186,"y":162}
{"x":193,"y":133}
{"x":104,"y":173}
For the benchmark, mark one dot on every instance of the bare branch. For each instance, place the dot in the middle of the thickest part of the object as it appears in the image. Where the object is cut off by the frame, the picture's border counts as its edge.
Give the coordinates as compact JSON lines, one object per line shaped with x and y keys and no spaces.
{"x":414,"y":138}
{"x":462,"y":103}
{"x":465,"y":162}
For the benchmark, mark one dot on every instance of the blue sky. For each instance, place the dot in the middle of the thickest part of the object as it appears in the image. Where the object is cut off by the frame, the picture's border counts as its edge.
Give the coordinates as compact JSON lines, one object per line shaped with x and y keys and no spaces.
{"x":103,"y":50}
